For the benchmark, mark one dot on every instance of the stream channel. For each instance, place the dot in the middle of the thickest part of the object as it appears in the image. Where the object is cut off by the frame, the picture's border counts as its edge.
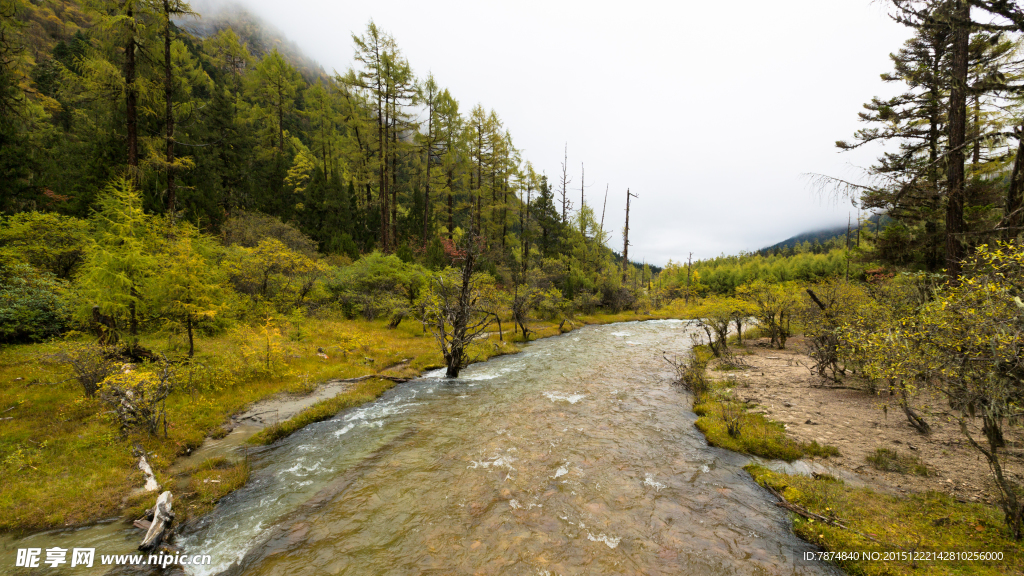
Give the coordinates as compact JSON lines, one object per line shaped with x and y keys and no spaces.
{"x":576,"y":456}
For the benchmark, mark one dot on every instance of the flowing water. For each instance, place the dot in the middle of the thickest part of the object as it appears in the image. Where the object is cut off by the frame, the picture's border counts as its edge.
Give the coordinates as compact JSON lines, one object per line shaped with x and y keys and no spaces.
{"x":576,"y":456}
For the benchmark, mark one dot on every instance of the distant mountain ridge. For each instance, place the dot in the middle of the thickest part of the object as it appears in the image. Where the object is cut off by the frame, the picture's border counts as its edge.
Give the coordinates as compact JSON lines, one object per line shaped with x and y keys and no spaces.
{"x":822,"y":236}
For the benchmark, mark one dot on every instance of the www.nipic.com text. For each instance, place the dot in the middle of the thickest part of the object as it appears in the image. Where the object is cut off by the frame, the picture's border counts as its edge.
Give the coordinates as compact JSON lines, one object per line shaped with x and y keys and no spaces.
{"x":85,"y":557}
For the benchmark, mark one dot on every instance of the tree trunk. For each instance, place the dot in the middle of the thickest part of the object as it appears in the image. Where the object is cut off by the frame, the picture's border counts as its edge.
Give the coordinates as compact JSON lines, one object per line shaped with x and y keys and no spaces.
{"x":1013,"y":209}
{"x":957,"y":139}
{"x":169,"y":112}
{"x":913,"y":418}
{"x":280,"y":118}
{"x":426,"y":197}
{"x":162,"y":518}
{"x":191,"y":341}
{"x":451,"y":214}
{"x":394,"y":188}
{"x":131,"y":97}
{"x":1012,"y":507}
{"x":625,"y":239}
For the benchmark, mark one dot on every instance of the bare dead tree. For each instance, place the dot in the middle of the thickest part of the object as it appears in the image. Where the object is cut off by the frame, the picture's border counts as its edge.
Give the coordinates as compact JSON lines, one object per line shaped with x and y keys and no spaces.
{"x":603,"y":208}
{"x":455,"y":309}
{"x":563,"y":191}
{"x":625,"y":236}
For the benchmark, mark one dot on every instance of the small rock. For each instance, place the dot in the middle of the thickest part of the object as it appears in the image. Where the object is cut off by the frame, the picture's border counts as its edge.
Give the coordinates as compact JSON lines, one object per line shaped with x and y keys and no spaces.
{"x":787,"y":404}
{"x":911,"y":446}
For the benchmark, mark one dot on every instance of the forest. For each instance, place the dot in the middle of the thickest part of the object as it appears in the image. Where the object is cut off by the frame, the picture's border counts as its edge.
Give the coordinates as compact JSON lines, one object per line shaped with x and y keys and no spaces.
{"x":117,"y":118}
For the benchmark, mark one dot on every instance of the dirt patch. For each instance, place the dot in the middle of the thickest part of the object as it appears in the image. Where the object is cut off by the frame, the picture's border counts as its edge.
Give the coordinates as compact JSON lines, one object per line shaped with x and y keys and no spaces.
{"x":859,"y":422}
{"x":284,"y":405}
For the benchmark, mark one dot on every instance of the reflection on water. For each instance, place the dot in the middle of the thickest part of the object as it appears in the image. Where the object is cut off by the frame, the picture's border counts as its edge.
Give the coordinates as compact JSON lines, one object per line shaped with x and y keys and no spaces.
{"x":576,"y":456}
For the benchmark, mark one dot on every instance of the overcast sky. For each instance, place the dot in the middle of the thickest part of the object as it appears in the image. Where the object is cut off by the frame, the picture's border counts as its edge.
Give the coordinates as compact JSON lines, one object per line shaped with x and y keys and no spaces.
{"x":710,"y":111}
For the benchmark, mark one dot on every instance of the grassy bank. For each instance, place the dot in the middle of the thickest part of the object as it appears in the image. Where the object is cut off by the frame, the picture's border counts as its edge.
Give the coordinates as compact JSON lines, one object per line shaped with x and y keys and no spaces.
{"x":728,"y":423}
{"x":840,"y":518}
{"x":361,"y":393}
{"x":861,"y":520}
{"x":63,"y":461}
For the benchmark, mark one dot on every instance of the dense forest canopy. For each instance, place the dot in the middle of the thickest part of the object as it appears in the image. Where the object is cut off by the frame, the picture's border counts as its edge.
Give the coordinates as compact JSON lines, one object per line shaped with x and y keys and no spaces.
{"x":137,"y":118}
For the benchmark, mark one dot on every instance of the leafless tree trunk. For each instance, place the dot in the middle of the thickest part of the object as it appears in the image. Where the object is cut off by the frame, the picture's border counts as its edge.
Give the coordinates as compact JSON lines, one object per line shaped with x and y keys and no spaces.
{"x":957,"y":138}
{"x":625,"y":237}
{"x":564,"y":190}
{"x":456,"y":313}
{"x":131,"y":96}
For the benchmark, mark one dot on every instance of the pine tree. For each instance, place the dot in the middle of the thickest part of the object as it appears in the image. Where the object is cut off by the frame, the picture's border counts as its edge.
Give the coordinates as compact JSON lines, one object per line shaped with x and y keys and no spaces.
{"x":275,"y":83}
{"x":119,"y":261}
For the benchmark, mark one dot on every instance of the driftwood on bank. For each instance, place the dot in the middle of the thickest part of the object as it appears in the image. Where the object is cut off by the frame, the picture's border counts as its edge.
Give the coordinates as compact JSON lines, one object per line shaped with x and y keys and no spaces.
{"x":159,"y":523}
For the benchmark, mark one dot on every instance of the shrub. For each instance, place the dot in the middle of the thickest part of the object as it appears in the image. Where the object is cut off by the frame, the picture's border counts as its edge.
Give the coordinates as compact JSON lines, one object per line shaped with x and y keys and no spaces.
{"x":888,"y":460}
{"x":248,"y":229}
{"x":44,"y":240}
{"x":377,"y":285}
{"x":90,"y":363}
{"x":691,"y":371}
{"x":135,"y":397}
{"x":33,"y":304}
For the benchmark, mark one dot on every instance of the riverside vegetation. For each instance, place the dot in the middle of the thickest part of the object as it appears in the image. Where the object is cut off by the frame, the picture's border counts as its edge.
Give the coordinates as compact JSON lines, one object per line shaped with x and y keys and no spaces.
{"x":139,"y":258}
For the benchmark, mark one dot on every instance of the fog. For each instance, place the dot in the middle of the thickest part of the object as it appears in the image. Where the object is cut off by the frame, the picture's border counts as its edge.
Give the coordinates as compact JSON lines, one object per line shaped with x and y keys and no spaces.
{"x":711,"y":112}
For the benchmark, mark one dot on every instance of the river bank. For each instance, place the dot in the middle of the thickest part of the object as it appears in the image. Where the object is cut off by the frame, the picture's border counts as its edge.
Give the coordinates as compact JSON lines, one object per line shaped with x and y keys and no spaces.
{"x":903,"y":491}
{"x":64,"y":464}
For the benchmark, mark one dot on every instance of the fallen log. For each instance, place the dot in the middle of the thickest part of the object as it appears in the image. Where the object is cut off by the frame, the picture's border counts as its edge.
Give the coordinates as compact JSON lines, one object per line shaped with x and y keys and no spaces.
{"x":162,"y":518}
{"x":798,"y":509}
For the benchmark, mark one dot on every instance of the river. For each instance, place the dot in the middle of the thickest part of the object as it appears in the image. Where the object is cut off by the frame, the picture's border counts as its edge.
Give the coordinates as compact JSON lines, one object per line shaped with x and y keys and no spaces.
{"x":576,"y":456}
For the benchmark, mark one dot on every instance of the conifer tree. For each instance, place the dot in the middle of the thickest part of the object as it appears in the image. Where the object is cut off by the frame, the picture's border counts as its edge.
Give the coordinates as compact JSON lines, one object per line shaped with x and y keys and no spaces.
{"x":119,"y":260}
{"x":275,"y":84}
{"x":186,"y":291}
{"x":429,"y":95}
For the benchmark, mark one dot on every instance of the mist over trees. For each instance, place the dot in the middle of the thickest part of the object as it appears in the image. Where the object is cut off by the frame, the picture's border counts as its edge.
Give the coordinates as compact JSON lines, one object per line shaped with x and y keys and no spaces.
{"x":211,"y":143}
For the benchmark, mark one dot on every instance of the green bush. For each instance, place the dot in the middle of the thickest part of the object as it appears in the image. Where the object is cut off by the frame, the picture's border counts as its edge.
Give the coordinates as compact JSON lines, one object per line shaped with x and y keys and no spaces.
{"x":33,"y":304}
{"x":892,"y":461}
{"x":376,"y":285}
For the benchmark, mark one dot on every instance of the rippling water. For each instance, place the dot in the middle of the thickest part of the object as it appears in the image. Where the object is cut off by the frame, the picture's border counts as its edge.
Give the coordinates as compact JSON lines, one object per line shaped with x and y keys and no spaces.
{"x":575,"y":457}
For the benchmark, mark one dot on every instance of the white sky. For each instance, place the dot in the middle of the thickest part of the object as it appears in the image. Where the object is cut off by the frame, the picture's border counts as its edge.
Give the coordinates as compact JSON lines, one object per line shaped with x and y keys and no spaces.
{"x":710,"y":111}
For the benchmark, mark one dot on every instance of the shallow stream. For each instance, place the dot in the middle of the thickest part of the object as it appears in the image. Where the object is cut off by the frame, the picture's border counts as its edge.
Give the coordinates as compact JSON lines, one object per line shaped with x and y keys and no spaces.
{"x":576,"y":456}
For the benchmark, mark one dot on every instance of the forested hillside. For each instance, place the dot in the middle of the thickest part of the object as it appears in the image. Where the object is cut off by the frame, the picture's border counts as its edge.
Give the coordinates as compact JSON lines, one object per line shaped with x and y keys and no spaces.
{"x":220,"y":131}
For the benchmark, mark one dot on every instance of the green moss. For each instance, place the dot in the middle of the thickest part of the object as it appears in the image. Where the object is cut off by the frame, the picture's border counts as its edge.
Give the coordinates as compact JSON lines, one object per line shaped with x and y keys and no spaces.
{"x":929,"y":522}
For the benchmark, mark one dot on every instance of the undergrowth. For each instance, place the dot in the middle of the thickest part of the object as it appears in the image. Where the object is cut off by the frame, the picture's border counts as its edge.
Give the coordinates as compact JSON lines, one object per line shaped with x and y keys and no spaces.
{"x":919,"y":523}
{"x":888,"y":460}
